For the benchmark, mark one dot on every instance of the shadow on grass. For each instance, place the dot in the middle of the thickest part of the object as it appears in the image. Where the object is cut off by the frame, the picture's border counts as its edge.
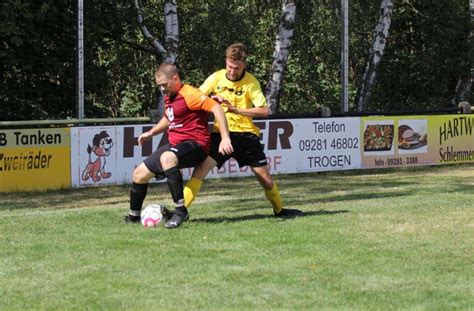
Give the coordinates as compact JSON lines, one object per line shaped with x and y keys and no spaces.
{"x":291,"y":201}
{"x":260,"y":216}
{"x":346,"y":197}
{"x":245,"y":194}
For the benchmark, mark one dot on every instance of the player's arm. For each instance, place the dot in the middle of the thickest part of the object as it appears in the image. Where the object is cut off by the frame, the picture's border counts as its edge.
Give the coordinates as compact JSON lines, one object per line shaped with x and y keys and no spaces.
{"x":259,"y":102}
{"x":254,"y":112}
{"x":197,"y":100}
{"x":159,"y":128}
{"x":225,"y":146}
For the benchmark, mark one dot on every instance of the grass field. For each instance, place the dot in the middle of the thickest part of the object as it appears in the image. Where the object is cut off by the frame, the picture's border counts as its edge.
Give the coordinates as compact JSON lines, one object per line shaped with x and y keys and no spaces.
{"x":371,"y":240}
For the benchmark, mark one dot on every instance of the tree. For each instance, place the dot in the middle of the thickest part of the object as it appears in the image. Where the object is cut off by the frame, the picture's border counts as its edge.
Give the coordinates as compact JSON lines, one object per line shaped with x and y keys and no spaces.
{"x":467,"y":95}
{"x":283,"y":41}
{"x":280,"y":55}
{"x":427,"y":54}
{"x":36,"y":60}
{"x":169,"y":50}
{"x":375,"y":54}
{"x":463,"y":86}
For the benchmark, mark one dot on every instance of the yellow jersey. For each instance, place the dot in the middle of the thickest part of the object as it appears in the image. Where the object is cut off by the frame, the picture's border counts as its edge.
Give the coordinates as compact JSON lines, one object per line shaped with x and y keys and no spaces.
{"x":244,"y":93}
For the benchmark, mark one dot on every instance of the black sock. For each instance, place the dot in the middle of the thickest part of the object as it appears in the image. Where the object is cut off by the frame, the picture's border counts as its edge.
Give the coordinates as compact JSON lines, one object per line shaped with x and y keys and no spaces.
{"x":137,"y":196}
{"x":175,"y":183}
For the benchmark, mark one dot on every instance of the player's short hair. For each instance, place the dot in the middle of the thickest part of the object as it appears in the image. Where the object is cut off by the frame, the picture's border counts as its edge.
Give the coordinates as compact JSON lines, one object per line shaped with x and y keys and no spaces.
{"x":237,"y":51}
{"x":167,"y":70}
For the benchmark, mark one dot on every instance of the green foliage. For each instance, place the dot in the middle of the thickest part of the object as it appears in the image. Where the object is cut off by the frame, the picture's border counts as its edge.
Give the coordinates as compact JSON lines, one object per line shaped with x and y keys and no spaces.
{"x":206,"y":31}
{"x":37,"y":69}
{"x":312,"y":76}
{"x":427,"y":52}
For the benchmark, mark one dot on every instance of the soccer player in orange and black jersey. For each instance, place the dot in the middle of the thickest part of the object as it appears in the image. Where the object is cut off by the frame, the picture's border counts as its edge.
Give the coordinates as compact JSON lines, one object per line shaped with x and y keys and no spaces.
{"x":186,"y":119}
{"x":239,"y":92}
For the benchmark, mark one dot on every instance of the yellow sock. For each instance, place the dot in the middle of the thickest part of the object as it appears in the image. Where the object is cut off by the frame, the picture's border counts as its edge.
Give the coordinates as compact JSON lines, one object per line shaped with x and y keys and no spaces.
{"x":273,"y":195}
{"x":191,"y":190}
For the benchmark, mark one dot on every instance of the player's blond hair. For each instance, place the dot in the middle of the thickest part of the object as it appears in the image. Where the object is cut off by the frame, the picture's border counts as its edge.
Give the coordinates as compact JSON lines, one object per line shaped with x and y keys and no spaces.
{"x":237,"y":51}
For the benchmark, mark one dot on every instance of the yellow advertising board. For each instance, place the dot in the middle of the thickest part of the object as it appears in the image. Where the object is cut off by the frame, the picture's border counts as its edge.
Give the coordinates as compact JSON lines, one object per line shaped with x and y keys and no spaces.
{"x":35,"y":159}
{"x":416,"y":140}
{"x":454,"y":141}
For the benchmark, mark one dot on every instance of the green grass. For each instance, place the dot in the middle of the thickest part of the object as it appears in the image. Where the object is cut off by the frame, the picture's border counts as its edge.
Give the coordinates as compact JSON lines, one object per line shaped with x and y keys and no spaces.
{"x":372,"y":240}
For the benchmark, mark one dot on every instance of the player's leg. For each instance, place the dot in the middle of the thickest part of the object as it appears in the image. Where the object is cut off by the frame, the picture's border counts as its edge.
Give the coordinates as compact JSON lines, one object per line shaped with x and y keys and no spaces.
{"x":150,"y":168}
{"x":248,"y":150}
{"x":174,"y":178}
{"x":251,"y":153}
{"x":169,"y":163}
{"x":187,"y":154}
{"x":175,"y":184}
{"x":270,"y":188}
{"x":272,"y":193}
{"x":138,"y":191}
{"x":193,"y":186}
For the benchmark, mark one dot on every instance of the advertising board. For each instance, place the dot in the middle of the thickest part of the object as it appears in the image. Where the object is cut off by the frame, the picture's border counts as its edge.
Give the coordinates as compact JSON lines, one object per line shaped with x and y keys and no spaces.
{"x":34,"y":159}
{"x":109,"y":154}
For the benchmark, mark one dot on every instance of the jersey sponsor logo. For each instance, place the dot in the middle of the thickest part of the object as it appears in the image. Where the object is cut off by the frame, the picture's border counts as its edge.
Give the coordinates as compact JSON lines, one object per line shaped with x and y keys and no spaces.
{"x":174,"y":126}
{"x":170,"y":113}
{"x":237,"y":91}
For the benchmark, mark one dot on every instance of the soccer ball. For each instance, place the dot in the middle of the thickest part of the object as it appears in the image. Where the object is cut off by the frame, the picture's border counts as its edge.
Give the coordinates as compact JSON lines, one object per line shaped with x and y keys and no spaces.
{"x":151,"y":216}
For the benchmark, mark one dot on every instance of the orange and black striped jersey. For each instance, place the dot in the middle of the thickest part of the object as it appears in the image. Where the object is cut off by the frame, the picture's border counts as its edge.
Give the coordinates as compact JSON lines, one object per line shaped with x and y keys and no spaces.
{"x":244,"y":93}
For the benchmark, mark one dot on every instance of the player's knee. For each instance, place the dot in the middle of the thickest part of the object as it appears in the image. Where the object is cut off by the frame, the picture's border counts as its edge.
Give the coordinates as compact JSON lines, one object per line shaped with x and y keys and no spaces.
{"x":267,"y":183}
{"x":140,"y":174}
{"x":168,"y":160}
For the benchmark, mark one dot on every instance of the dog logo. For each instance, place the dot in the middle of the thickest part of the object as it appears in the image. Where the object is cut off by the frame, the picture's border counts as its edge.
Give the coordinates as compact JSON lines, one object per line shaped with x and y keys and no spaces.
{"x":101,"y":145}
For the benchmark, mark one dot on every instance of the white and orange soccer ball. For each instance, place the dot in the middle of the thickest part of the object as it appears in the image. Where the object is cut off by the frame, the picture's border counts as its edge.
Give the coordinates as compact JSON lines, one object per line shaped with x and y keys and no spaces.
{"x":151,"y":216}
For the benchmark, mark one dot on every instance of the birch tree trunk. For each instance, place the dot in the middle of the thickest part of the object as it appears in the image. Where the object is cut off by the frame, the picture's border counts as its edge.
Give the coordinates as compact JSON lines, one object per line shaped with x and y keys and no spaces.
{"x":280,"y":54}
{"x":375,"y":55}
{"x":171,"y":31}
{"x":463,"y":90}
{"x":169,"y":50}
{"x":464,"y":85}
{"x":471,"y":9}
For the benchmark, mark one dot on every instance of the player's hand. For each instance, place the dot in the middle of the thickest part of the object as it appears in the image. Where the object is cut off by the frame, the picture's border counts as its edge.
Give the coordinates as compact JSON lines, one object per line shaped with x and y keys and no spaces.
{"x":225,"y":104}
{"x":225,"y":146}
{"x":144,"y":137}
{"x":218,"y":98}
{"x":229,"y":107}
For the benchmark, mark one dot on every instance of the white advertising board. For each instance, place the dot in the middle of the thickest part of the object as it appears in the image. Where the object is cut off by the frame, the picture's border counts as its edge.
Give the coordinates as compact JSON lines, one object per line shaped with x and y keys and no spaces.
{"x":326,"y":144}
{"x":108,"y":154}
{"x":103,"y":155}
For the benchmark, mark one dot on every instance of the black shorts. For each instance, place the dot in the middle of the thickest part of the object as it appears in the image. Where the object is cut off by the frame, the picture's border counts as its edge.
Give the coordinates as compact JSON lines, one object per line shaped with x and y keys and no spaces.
{"x":189,"y":154}
{"x":247,"y":150}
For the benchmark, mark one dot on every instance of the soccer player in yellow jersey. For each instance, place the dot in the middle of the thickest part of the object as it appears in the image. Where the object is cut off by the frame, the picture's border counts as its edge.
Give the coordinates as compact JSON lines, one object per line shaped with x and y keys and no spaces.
{"x":239,"y":93}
